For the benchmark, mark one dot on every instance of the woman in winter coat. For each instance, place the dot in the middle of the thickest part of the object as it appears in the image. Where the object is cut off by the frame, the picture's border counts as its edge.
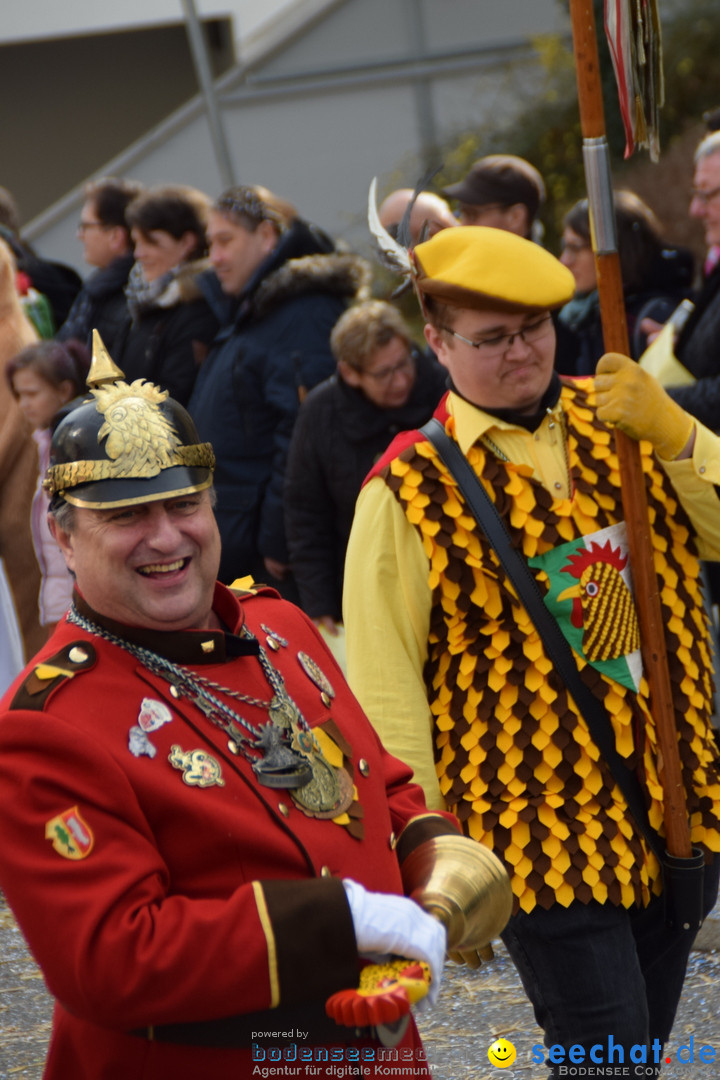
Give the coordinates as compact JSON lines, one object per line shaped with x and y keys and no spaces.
{"x":170,"y":324}
{"x":383,"y":385}
{"x":656,"y":277}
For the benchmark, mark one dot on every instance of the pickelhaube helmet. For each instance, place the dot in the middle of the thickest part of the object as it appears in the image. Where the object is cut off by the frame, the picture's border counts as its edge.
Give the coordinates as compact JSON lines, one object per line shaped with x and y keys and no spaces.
{"x":127,"y":443}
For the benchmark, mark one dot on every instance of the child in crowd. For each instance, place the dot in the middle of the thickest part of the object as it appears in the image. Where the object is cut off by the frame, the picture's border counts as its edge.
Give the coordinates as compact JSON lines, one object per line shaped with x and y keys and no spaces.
{"x":45,"y":378}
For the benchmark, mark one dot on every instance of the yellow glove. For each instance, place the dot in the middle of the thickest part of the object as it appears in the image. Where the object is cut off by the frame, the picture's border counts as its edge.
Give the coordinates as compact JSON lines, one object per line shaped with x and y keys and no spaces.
{"x":635,"y":402}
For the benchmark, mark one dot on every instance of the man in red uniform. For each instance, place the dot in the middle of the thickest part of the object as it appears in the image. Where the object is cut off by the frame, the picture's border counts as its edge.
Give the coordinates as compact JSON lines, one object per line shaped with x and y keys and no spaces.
{"x":202,"y":834}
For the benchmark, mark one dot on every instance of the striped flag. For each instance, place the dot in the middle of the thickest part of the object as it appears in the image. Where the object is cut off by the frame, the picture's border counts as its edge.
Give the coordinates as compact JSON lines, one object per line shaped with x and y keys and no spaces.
{"x":634,"y":37}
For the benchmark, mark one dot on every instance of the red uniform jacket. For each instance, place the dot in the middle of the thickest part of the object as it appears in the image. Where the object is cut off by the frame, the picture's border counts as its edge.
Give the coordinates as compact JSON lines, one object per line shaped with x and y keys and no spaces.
{"x":154,"y":893}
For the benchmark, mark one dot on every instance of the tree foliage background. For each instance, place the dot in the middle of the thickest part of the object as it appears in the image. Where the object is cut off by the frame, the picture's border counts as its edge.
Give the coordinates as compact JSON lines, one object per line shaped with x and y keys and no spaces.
{"x":548,"y":132}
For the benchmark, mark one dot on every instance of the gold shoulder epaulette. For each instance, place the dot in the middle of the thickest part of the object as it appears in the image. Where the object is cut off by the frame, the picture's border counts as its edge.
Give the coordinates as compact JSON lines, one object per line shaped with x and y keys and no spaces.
{"x":47,"y":675}
{"x":244,"y":587}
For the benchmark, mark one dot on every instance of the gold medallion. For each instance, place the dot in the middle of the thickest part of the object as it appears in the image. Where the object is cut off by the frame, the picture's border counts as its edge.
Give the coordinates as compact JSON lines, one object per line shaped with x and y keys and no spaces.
{"x":328,"y":794}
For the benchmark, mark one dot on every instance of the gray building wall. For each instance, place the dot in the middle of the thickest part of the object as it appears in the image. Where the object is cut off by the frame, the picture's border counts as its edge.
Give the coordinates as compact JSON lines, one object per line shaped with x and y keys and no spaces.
{"x":70,"y":104}
{"x":363,"y":91}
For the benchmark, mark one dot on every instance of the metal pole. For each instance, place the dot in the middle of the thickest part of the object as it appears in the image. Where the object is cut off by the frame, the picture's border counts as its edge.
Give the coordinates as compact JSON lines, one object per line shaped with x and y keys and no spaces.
{"x":422,"y":90}
{"x":205,"y":79}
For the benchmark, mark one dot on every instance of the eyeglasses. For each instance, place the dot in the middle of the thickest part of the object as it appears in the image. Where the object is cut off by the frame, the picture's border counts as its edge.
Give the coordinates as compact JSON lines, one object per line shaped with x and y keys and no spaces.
{"x":385,"y":375}
{"x":704,"y":197}
{"x":83,"y":226}
{"x":499,"y":345}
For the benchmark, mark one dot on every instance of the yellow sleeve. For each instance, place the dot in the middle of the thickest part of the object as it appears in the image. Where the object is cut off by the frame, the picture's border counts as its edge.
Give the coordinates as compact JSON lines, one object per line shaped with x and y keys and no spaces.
{"x":386,"y":611}
{"x":694,"y":481}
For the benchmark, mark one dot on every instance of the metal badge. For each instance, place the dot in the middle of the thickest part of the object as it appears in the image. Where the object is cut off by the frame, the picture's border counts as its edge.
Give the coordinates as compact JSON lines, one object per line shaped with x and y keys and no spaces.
{"x":71,"y":835}
{"x":198,"y":768}
{"x":316,"y":674}
{"x":153,"y":714}
{"x":274,"y":640}
{"x":139,"y":744}
{"x":280,"y":766}
{"x":329,"y":793}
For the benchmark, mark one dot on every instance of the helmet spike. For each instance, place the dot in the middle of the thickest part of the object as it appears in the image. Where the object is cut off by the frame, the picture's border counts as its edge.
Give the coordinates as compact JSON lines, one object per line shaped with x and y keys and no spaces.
{"x":102,"y":369}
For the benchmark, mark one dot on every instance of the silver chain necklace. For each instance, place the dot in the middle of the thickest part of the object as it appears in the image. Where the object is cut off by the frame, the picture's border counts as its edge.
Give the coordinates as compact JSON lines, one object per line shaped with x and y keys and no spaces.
{"x":279,"y":765}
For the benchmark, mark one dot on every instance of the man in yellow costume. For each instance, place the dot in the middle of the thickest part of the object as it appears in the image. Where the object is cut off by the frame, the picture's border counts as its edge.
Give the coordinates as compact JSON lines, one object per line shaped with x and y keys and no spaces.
{"x":451,"y":670}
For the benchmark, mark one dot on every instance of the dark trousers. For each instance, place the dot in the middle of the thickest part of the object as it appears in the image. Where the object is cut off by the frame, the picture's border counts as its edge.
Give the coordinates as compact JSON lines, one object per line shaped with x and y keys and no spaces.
{"x":596,"y":974}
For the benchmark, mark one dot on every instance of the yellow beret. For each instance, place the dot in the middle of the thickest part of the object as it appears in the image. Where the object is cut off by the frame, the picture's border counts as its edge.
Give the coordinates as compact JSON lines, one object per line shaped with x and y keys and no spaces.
{"x":476,"y":267}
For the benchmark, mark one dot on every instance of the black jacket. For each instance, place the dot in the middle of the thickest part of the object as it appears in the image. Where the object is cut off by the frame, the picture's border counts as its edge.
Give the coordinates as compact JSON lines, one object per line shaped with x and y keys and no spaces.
{"x":249,"y":390}
{"x":698,"y":349}
{"x":168,"y":341}
{"x":100,"y":305}
{"x":338,"y":437}
{"x":59,"y":283}
{"x":580,"y":336}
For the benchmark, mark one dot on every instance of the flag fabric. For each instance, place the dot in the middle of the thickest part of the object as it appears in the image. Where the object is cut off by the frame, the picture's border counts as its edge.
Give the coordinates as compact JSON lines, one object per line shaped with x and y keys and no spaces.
{"x":634,"y":37}
{"x":590,"y":595}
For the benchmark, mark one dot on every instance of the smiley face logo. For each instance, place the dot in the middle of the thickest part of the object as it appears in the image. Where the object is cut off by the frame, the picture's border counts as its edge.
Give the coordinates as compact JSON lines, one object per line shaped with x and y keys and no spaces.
{"x":501,"y":1053}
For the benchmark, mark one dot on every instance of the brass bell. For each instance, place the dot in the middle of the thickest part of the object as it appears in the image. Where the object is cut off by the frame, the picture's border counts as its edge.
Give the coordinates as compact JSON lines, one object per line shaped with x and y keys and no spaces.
{"x":464,"y":885}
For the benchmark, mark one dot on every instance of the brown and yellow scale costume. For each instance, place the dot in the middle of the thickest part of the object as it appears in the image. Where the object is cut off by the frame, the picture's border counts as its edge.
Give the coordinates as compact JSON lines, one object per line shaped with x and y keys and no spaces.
{"x":514,"y":758}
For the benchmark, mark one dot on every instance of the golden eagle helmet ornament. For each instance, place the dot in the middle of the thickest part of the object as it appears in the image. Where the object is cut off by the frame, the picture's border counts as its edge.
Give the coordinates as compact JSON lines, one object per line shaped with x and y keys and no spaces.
{"x":128,"y":443}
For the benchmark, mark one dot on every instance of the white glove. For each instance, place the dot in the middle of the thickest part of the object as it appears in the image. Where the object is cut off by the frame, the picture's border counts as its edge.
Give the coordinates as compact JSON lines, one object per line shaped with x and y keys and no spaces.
{"x":395,"y":925}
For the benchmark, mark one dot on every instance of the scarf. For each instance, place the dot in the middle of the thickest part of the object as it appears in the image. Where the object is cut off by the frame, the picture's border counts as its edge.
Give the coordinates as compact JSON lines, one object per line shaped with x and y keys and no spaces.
{"x":142,"y":295}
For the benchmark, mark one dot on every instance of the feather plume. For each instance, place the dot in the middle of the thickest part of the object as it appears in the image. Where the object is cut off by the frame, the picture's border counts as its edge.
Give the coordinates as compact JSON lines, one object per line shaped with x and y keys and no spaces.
{"x":404,"y":235}
{"x":392,"y":254}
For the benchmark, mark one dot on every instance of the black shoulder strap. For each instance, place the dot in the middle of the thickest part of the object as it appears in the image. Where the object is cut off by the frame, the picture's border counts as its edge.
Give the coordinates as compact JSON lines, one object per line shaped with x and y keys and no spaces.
{"x":47,"y":675}
{"x":556,"y":645}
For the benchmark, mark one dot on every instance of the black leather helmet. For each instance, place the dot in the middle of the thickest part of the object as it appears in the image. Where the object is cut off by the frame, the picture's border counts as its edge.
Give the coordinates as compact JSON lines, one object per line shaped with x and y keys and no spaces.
{"x":126,"y":443}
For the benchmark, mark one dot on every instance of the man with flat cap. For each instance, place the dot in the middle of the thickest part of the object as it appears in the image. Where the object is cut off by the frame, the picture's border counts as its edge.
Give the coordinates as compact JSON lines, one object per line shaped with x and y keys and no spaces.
{"x":449,"y":666}
{"x":501,"y":191}
{"x":202,"y":834}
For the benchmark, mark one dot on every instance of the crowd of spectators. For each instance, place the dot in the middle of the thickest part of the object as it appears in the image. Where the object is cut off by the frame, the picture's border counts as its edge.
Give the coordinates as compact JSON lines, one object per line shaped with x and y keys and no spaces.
{"x":269,"y":332}
{"x":351,"y":461}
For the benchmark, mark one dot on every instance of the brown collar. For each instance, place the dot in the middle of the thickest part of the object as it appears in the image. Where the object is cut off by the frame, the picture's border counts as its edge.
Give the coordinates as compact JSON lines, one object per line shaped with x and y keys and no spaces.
{"x":185,"y":646}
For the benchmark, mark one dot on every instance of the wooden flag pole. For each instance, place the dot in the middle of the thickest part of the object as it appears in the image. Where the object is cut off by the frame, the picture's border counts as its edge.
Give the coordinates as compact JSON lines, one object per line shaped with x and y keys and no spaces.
{"x":635,"y":507}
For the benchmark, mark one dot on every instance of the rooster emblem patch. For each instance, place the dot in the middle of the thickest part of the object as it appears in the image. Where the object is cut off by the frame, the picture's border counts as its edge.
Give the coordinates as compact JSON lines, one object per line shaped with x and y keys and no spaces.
{"x":590,"y":595}
{"x":602,"y":603}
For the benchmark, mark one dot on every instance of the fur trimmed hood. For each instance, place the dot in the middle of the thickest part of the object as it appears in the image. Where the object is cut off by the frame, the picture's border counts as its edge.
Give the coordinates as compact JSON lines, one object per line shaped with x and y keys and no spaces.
{"x":345,"y":275}
{"x":184,"y":286}
{"x":305,"y":261}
